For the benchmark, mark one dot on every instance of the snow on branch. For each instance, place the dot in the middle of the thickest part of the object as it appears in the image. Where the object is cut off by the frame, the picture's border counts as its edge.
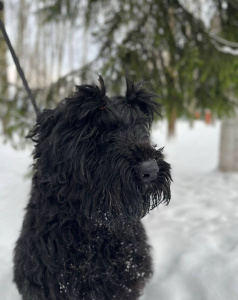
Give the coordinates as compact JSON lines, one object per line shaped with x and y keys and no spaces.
{"x":224,"y":46}
{"x":223,"y":41}
{"x":226,"y":49}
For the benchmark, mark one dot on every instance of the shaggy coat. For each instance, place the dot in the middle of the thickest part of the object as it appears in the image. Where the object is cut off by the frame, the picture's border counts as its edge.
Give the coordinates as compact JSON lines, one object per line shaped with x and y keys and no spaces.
{"x":82,"y":238}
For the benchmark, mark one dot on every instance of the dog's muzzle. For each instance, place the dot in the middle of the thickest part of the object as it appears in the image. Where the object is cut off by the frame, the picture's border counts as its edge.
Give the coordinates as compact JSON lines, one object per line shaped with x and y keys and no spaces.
{"x":148,"y":170}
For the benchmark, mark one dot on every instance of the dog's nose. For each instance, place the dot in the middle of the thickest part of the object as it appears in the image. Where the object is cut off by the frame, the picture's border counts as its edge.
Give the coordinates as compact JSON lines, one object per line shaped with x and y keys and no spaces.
{"x":148,"y":170}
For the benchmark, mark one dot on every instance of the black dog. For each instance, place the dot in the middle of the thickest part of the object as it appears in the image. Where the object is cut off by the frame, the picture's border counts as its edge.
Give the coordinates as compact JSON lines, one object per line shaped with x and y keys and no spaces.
{"x":96,"y":175}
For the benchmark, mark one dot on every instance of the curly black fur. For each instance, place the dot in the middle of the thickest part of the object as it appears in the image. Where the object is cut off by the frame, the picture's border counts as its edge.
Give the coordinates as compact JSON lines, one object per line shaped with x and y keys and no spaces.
{"x":82,"y":237}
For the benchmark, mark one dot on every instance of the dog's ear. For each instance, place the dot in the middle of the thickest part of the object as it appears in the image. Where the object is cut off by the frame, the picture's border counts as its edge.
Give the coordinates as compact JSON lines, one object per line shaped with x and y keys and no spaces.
{"x":136,"y":95}
{"x":91,"y":98}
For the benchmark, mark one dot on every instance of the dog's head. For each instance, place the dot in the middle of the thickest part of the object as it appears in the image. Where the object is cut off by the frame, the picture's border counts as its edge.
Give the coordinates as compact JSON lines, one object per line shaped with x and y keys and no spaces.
{"x":94,"y":153}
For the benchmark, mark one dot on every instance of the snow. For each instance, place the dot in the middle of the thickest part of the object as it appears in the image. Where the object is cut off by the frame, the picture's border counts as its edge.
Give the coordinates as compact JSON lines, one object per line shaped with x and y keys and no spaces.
{"x":14,"y":189}
{"x":194,"y":239}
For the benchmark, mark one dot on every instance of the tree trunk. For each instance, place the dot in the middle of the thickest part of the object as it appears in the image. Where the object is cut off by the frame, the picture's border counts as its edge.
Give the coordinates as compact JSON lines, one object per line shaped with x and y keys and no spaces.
{"x":3,"y":76}
{"x":3,"y":63}
{"x":229,"y":145}
{"x":171,"y":122}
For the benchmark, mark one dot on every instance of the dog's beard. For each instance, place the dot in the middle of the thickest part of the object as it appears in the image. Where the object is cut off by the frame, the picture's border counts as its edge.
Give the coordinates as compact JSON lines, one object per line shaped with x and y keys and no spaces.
{"x":127,"y":199}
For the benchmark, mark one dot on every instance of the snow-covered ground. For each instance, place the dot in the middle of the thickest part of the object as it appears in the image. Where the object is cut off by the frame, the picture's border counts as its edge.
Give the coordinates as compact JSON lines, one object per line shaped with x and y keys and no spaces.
{"x":194,"y":239}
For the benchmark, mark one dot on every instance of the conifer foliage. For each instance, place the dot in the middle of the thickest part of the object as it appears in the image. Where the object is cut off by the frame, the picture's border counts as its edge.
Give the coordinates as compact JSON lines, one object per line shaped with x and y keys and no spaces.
{"x":191,"y":64}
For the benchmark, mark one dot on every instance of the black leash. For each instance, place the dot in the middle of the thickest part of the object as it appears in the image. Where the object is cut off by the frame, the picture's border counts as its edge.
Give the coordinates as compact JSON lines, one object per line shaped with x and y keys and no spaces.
{"x":16,"y":61}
